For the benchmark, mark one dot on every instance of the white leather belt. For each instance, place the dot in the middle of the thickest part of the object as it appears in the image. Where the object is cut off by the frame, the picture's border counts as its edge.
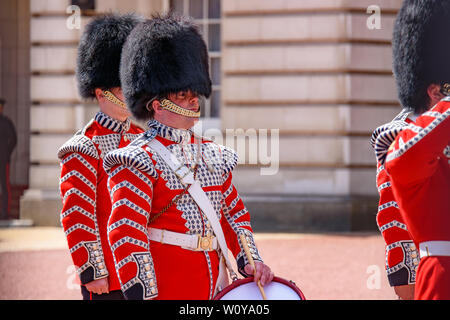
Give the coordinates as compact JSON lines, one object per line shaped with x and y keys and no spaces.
{"x":193,"y":242}
{"x":434,"y":248}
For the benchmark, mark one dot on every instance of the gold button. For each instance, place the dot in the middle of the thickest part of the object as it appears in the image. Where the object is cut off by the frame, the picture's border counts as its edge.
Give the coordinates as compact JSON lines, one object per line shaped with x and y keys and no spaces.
{"x":125,"y":139}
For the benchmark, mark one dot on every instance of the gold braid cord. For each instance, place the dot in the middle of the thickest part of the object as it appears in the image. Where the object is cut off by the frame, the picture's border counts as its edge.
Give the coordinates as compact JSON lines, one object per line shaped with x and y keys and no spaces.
{"x":172,"y":107}
{"x":112,"y":98}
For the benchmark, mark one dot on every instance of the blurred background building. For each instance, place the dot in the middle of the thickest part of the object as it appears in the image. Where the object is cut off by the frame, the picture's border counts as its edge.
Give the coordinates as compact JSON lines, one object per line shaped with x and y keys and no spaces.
{"x":317,"y":70}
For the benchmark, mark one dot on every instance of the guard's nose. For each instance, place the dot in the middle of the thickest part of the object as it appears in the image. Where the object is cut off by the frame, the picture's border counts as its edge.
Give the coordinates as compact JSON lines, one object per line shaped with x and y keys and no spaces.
{"x":193,"y":101}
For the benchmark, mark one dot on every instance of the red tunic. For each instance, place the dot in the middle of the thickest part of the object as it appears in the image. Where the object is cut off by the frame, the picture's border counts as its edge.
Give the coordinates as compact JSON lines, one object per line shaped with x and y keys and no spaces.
{"x":418,"y":163}
{"x":402,"y":257}
{"x":142,"y":185}
{"x":85,"y":197}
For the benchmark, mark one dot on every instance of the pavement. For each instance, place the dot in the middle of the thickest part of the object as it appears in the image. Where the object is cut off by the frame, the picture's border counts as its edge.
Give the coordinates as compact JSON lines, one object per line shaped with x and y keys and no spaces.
{"x":35,"y":264}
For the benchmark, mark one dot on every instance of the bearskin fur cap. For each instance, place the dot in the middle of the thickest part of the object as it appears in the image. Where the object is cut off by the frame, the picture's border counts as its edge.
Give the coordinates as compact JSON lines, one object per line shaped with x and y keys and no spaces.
{"x":421,"y":50}
{"x":99,"y":51}
{"x":163,"y":55}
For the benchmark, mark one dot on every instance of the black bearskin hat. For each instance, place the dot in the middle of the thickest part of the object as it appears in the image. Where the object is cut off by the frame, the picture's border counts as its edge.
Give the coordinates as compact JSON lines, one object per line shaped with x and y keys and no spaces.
{"x":421,"y":50}
{"x":163,"y":55}
{"x":99,"y":52}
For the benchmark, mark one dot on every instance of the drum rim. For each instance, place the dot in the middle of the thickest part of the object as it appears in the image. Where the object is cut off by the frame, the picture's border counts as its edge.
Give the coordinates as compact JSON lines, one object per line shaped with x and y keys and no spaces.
{"x":234,"y":284}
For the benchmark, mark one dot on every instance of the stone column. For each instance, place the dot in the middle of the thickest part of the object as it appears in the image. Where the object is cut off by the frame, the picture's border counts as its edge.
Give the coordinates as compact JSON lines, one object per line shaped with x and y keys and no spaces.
{"x":318,"y":73}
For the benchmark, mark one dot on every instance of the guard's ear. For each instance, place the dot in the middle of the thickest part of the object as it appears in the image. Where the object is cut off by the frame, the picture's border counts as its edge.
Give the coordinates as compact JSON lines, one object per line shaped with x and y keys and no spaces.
{"x":156,"y":106}
{"x":99,"y":94}
{"x":434,"y":93}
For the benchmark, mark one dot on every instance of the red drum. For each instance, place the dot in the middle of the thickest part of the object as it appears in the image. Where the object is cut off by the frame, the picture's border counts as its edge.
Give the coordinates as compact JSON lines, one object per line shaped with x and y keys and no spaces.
{"x":246,"y":289}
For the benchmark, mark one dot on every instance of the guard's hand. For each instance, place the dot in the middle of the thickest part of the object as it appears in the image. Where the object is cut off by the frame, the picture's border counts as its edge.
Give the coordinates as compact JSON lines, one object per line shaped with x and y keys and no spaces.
{"x":98,"y":286}
{"x":263,"y":272}
{"x":405,"y":292}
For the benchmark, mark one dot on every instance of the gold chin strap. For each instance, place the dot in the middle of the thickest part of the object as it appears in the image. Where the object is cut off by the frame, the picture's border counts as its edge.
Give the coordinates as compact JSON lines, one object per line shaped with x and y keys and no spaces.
{"x":172,"y":107}
{"x":112,"y":98}
{"x":445,"y":89}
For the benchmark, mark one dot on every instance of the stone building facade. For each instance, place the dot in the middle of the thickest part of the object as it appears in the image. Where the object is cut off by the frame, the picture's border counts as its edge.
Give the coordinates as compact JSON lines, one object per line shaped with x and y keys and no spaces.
{"x":316,"y":76}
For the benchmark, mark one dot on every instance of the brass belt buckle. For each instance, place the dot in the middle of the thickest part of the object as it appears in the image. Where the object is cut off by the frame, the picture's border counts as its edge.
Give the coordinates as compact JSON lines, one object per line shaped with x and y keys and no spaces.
{"x":205,"y":243}
{"x":182,"y":172}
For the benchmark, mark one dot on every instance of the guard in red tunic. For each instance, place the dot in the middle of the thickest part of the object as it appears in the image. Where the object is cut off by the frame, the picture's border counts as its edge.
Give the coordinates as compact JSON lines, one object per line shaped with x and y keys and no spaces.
{"x":402,"y":256}
{"x":83,"y":184}
{"x":416,"y":154}
{"x":175,"y":209}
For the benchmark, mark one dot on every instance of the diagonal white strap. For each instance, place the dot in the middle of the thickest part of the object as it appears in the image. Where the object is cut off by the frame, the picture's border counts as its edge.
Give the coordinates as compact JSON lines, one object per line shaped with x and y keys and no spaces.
{"x":182,"y":172}
{"x":197,"y":193}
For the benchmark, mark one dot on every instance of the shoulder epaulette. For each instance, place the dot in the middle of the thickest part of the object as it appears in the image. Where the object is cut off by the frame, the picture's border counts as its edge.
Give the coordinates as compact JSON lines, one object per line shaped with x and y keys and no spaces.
{"x":230,"y":159}
{"x":384,"y":135}
{"x":132,"y":156}
{"x":78,"y":143}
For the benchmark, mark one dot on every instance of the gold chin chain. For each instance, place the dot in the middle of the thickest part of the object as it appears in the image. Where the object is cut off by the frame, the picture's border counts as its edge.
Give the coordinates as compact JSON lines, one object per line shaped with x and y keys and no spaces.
{"x":445,"y":89}
{"x":112,"y":98}
{"x":172,"y":107}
